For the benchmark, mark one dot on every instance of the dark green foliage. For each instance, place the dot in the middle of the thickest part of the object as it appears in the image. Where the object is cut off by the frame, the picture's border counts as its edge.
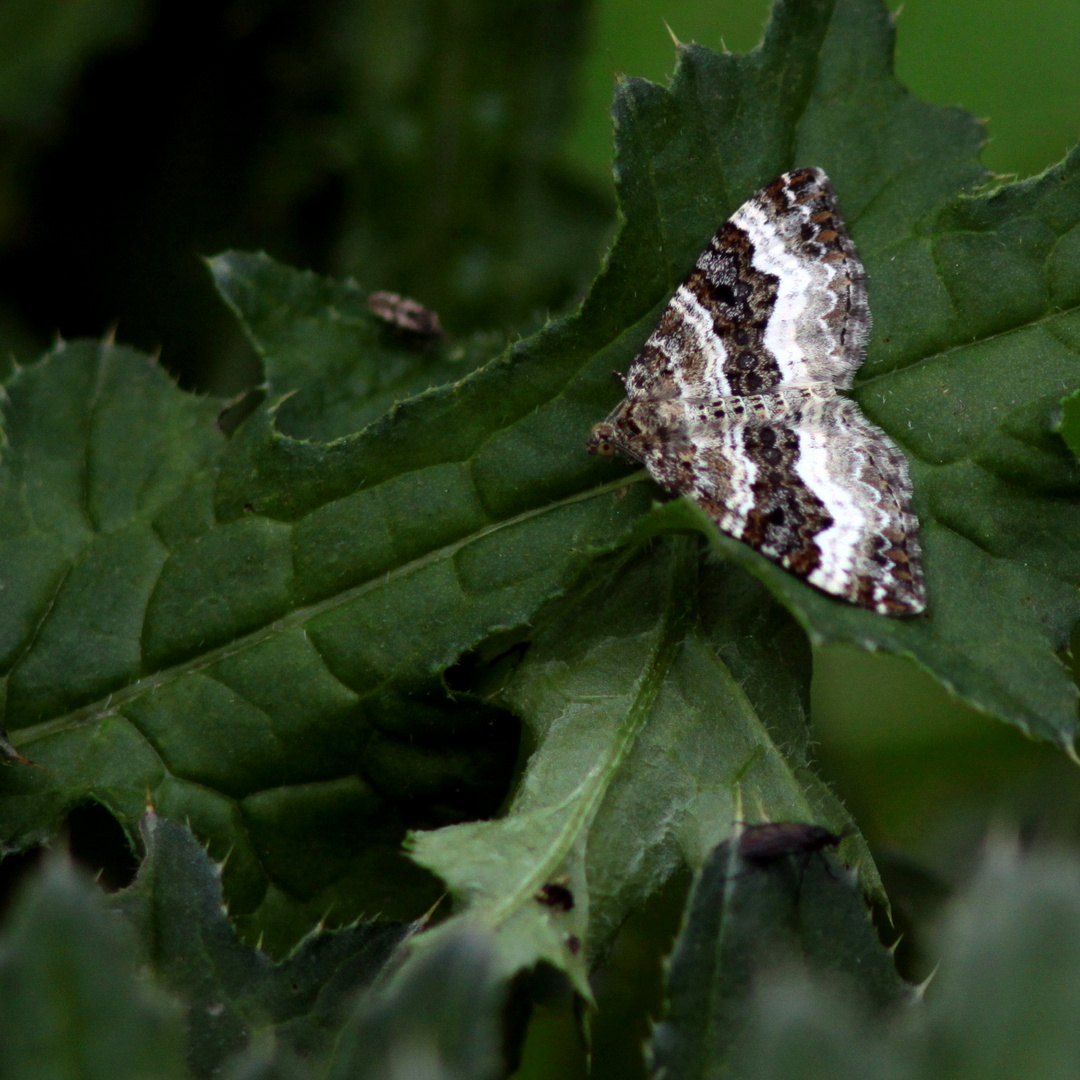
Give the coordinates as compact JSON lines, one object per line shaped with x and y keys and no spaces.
{"x":320,"y":345}
{"x":777,"y":975}
{"x":236,"y":999}
{"x":416,"y":145}
{"x":43,"y":50}
{"x":1069,"y":421}
{"x":746,"y":921}
{"x":452,"y":120}
{"x":80,"y":998}
{"x":944,"y":384}
{"x":1001,"y":1005}
{"x":72,"y":1003}
{"x":230,"y":595}
{"x":388,"y":593}
{"x":655,"y":695}
{"x":438,"y":1016}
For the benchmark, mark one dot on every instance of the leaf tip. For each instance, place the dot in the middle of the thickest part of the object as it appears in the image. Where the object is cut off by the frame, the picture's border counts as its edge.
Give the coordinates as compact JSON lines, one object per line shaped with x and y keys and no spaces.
{"x":1069,"y":746}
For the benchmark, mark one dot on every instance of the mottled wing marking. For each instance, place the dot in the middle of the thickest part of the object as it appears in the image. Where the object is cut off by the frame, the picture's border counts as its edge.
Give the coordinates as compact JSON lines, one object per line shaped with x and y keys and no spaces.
{"x":820,"y":321}
{"x":710,"y":341}
{"x":732,"y":401}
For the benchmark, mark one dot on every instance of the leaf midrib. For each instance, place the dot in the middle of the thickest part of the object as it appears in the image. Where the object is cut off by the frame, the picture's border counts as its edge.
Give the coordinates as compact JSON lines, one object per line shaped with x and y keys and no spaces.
{"x":597,"y":781}
{"x":101,"y":708}
{"x":590,"y":791}
{"x":1056,"y":313}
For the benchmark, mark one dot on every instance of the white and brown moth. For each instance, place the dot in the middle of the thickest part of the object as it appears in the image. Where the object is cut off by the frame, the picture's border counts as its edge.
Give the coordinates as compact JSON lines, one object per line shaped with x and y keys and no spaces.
{"x":733,"y":401}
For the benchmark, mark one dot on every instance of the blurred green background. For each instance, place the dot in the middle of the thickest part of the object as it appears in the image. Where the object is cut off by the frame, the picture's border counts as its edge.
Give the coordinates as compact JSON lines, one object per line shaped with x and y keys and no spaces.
{"x":1013,"y":63}
{"x":460,"y":151}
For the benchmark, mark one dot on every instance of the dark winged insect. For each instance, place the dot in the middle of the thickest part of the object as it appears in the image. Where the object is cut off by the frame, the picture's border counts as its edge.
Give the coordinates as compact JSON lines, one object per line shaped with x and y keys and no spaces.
{"x":773,"y":840}
{"x":762,"y":845}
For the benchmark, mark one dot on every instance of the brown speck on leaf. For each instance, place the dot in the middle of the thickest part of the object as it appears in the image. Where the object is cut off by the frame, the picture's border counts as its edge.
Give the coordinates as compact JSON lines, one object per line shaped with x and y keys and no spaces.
{"x":555,"y":894}
{"x":405,"y":314}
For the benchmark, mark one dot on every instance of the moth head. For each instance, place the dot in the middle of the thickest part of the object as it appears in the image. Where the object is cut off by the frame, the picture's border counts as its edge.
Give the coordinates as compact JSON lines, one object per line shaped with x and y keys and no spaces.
{"x":602,"y":440}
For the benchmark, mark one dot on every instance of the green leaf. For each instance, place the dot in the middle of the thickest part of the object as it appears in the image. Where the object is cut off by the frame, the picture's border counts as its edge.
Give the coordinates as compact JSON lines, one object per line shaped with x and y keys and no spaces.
{"x":438,"y":1016}
{"x":653,"y":697}
{"x":321,"y":345}
{"x":267,"y":667}
{"x":744,"y":923}
{"x":1002,"y":1004}
{"x":73,"y":1004}
{"x":237,"y":1000}
{"x":1010,"y":970}
{"x":256,"y":631}
{"x":1069,"y":422}
{"x":987,"y":272}
{"x":813,"y":70}
{"x":958,"y":385}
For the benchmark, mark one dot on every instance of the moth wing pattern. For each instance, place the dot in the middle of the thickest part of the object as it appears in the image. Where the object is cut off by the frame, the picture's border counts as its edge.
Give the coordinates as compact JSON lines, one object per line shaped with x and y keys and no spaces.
{"x":778,"y":296}
{"x":733,"y":401}
{"x":804,"y":478}
{"x":821,"y":319}
{"x":870,"y":555}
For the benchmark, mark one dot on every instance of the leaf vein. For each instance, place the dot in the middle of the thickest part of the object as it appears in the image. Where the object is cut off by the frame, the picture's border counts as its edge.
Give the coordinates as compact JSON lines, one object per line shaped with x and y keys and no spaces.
{"x":93,"y":711}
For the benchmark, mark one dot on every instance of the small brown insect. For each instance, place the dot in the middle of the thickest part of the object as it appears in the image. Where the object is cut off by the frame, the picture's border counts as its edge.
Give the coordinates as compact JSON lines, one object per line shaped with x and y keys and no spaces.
{"x":773,"y":840}
{"x":405,"y":314}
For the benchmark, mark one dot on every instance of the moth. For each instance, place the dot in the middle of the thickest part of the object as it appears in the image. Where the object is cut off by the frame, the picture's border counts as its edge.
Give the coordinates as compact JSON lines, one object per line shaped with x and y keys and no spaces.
{"x":405,"y":314}
{"x":734,"y":402}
